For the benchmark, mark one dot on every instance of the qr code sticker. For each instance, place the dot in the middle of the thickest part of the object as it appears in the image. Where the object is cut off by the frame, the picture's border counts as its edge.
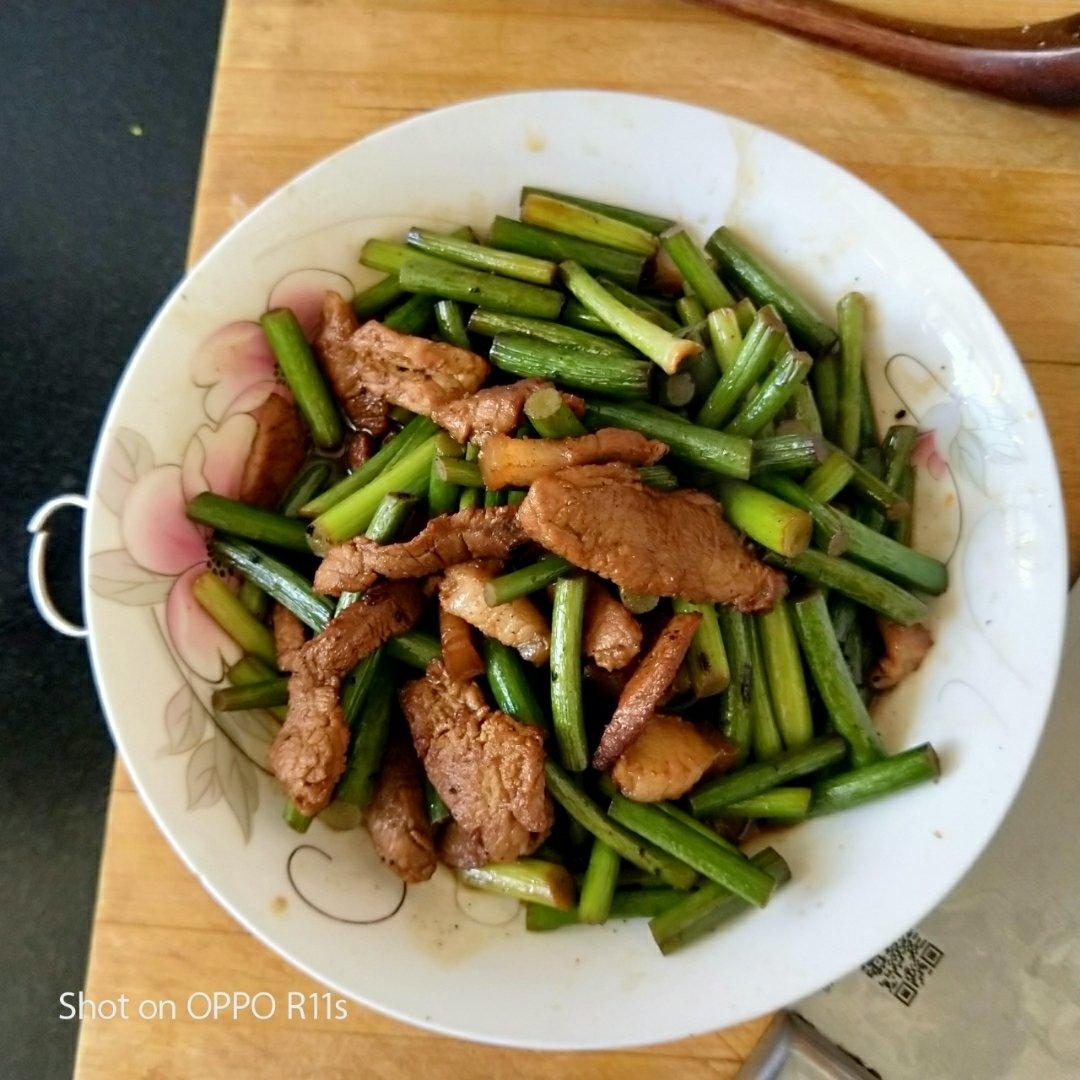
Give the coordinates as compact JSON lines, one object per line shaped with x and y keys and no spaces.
{"x":904,"y":966}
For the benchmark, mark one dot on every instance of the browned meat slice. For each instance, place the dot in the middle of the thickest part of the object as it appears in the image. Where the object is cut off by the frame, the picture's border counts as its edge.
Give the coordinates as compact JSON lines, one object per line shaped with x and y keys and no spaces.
{"x":905,"y":647}
{"x":603,"y":518}
{"x":488,"y":768}
{"x":277,"y":452}
{"x":646,"y":689}
{"x":386,"y":609}
{"x":496,"y":410}
{"x":505,"y":461}
{"x":460,"y":656}
{"x":518,"y":623}
{"x":410,"y":371}
{"x":369,"y":412}
{"x":308,"y":753}
{"x":289,"y":637}
{"x":667,"y":759}
{"x":358,"y":449}
{"x":397,"y":818}
{"x":462,"y":849}
{"x":476,"y":533}
{"x":610,"y":634}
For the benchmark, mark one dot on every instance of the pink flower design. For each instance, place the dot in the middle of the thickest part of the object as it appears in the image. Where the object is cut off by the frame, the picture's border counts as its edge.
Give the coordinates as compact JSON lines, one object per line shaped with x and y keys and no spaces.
{"x":925,"y":453}
{"x":236,"y":367}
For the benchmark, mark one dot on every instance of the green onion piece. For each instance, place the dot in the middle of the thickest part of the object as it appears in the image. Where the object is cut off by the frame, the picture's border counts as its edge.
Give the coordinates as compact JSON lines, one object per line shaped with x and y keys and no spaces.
{"x":249,"y":670}
{"x":369,"y":745}
{"x":450,"y":320}
{"x":528,"y":579}
{"x":458,"y":471}
{"x":649,"y":307}
{"x":435,"y":277}
{"x":764,"y":287}
{"x":283,"y":583}
{"x":752,"y":780}
{"x":415,"y":432}
{"x":567,"y":713}
{"x":301,"y":372}
{"x":574,"y":220}
{"x":637,"y":603}
{"x":726,"y":337}
{"x":267,"y":694}
{"x":532,"y":358}
{"x":250,"y":522}
{"x":467,"y":253}
{"x":736,"y":718}
{"x":470,"y":496}
{"x":829,"y":478}
{"x":495,"y":323}
{"x":696,"y":271}
{"x":622,"y":266}
{"x":706,"y":908}
{"x":776,"y":390}
{"x":415,"y":648}
{"x":727,"y":868}
{"x":784,"y":670}
{"x":755,"y":354}
{"x":218,"y":601}
{"x":550,"y":416}
{"x":766,"y":738}
{"x":652,"y":223}
{"x":409,"y":473}
{"x":254,"y":599}
{"x":443,"y":494}
{"x":531,"y":880}
{"x":780,"y":804}
{"x":411,"y":316}
{"x":872,"y":781}
{"x":845,"y":707}
{"x":763,"y":517}
{"x":510,"y":686}
{"x":850,"y":319}
{"x":803,"y":407}
{"x":857,"y":582}
{"x":659,"y":345}
{"x":598,"y":888}
{"x":295,"y":818}
{"x":378,"y":297}
{"x":793,"y":452}
{"x":728,"y":455}
{"x":706,"y":658}
{"x":565,"y":791}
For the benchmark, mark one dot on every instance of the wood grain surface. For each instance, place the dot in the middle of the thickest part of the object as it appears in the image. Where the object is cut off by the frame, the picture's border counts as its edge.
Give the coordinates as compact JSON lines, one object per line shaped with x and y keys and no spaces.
{"x":997,"y":184}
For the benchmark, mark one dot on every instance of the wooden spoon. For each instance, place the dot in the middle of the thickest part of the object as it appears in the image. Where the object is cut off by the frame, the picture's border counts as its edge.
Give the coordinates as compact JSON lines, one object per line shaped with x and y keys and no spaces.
{"x":1038,"y":63}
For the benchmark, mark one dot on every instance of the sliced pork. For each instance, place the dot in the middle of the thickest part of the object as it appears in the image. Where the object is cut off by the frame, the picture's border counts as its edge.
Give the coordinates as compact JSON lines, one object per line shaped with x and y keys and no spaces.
{"x":604,"y":519}
{"x":668,"y":758}
{"x":413,"y":372}
{"x":646,"y":689}
{"x":290,"y":636}
{"x":277,"y":452}
{"x":518,"y":623}
{"x":905,"y":647}
{"x":397,"y":818}
{"x":475,"y":533}
{"x":366,"y":409}
{"x":509,"y":462}
{"x":610,"y":634}
{"x":308,"y":753}
{"x":496,"y":410}
{"x":488,"y":767}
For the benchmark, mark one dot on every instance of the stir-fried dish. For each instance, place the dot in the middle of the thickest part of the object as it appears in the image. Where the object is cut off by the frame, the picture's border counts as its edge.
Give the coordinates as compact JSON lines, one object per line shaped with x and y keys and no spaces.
{"x":572,"y":561}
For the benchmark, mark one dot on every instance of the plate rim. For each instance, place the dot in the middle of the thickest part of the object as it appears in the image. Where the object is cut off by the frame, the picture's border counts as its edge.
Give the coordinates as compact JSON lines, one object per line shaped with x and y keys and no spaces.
{"x":538,"y":1042}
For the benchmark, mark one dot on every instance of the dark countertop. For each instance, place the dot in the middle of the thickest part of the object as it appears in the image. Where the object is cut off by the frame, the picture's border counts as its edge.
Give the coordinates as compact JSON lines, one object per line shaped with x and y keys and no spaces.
{"x":102,"y":117}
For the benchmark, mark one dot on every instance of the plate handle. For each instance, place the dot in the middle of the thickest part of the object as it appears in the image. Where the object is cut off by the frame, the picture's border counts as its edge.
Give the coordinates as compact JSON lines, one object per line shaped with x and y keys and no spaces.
{"x":39,"y":585}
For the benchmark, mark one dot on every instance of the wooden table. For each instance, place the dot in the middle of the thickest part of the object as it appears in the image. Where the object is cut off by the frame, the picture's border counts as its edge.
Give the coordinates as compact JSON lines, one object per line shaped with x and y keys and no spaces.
{"x":997,"y":184}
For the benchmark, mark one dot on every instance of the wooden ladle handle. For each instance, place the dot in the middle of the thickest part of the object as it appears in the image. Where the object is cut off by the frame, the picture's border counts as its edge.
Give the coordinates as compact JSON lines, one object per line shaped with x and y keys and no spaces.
{"x":1039,"y":63}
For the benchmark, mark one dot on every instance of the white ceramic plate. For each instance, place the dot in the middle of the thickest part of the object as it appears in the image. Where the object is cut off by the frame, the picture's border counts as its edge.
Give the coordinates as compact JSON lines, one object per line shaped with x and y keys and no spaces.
{"x":989,"y":501}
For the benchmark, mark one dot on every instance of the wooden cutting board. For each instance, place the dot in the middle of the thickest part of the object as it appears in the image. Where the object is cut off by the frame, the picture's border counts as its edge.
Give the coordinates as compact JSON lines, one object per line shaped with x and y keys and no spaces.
{"x":997,"y":184}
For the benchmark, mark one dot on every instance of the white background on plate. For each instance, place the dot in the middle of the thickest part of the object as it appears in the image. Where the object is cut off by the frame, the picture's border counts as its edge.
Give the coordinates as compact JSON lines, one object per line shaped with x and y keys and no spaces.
{"x":859,"y":879}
